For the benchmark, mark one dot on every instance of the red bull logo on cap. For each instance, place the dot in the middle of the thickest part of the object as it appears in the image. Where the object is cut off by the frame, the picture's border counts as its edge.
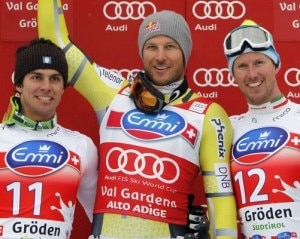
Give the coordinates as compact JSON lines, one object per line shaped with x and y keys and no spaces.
{"x":152,"y":26}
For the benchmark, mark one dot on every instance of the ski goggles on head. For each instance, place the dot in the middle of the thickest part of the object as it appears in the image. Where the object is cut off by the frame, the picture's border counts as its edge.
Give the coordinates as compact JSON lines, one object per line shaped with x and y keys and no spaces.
{"x":256,"y":37}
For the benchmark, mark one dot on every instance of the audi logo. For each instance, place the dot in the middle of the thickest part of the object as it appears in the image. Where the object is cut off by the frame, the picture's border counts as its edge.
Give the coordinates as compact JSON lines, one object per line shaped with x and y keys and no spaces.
{"x":219,"y":9}
{"x":126,"y":73}
{"x":123,"y":10}
{"x":292,"y":77}
{"x":213,"y":77}
{"x":118,"y":160}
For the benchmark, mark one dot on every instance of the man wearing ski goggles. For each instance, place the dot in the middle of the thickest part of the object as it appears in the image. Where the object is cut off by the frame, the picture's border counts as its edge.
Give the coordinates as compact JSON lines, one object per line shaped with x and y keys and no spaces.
{"x":249,"y":37}
{"x":266,"y":177}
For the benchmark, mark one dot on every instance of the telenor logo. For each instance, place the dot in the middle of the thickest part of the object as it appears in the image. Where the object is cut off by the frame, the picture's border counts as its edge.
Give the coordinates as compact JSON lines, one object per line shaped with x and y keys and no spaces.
{"x":36,"y":158}
{"x":152,"y":126}
{"x":257,"y":145}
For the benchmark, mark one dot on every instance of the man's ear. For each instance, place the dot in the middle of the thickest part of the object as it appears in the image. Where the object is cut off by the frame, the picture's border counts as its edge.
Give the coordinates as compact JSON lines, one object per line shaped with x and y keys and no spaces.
{"x":232,"y":75}
{"x":277,"y":68}
{"x":19,"y":88}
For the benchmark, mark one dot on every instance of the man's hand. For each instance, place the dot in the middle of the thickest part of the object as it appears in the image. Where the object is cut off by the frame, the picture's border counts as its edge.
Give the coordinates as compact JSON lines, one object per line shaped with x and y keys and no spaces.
{"x":198,"y":224}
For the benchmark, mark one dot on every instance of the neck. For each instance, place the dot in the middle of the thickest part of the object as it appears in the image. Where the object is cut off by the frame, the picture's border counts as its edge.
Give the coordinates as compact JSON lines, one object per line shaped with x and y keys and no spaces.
{"x":23,"y":121}
{"x":173,"y":91}
{"x":269,"y":106}
{"x":14,"y":116}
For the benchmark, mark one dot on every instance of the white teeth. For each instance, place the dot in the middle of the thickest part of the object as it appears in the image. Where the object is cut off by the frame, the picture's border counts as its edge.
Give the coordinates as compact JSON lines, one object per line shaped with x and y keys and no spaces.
{"x":255,"y":84}
{"x":44,"y":98}
{"x":161,"y":67}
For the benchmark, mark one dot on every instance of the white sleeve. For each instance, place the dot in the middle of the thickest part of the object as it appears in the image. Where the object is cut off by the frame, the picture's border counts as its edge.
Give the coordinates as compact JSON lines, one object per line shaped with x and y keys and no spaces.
{"x":88,"y":185}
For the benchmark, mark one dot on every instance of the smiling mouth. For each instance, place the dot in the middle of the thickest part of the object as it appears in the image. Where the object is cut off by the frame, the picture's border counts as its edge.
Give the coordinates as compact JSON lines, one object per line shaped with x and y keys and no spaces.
{"x":255,"y":84}
{"x":160,"y":67}
{"x":45,"y":98}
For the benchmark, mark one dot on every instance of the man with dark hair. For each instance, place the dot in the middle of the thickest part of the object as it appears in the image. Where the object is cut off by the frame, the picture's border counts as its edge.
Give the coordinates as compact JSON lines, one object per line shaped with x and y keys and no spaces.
{"x":44,"y":166}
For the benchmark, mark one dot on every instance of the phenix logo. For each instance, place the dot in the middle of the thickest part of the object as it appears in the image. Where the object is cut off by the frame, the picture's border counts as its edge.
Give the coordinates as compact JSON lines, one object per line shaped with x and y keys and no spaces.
{"x":259,"y":144}
{"x":220,"y":131}
{"x":37,"y":157}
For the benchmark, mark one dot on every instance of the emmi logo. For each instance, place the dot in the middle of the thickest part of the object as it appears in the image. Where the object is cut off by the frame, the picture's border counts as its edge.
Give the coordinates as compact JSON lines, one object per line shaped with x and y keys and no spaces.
{"x":152,"y":126}
{"x":259,"y":144}
{"x":36,"y":157}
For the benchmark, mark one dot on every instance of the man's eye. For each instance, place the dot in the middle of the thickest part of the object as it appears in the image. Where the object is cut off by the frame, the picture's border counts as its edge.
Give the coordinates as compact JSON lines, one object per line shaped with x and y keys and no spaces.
{"x":35,"y":77}
{"x":150,"y":47}
{"x":57,"y":79}
{"x":170,"y":46}
{"x":259,"y":62}
{"x":241,"y":66}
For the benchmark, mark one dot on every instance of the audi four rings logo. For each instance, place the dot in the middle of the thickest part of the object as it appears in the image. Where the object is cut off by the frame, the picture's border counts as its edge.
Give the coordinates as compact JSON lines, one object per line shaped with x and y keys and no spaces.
{"x":219,"y":9}
{"x":140,"y":166}
{"x":213,"y":77}
{"x":123,"y":10}
{"x":292,"y":77}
